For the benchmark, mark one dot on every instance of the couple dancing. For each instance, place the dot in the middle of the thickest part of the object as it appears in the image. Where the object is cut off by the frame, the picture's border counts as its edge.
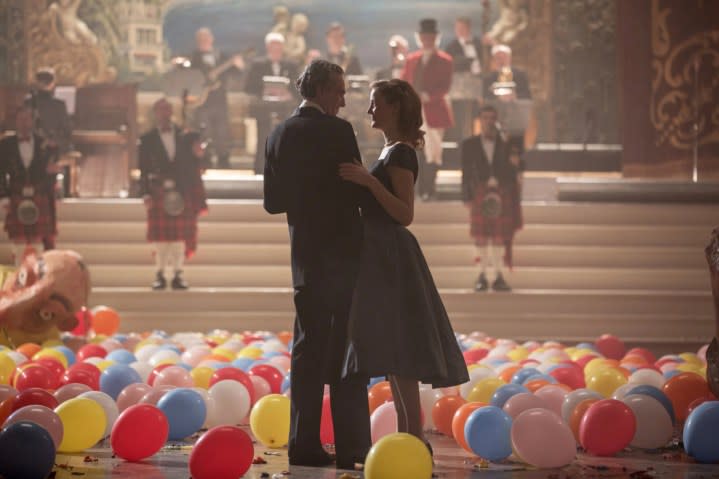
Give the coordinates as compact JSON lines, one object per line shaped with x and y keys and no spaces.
{"x":366,"y":302}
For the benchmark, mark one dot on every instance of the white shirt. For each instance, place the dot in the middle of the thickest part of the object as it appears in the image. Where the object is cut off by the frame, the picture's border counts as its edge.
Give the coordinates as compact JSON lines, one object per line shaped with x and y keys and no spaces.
{"x":488,"y":145}
{"x":311,"y":104}
{"x":471,"y":52}
{"x":276,"y":69}
{"x":168,"y":141}
{"x":26,"y":150}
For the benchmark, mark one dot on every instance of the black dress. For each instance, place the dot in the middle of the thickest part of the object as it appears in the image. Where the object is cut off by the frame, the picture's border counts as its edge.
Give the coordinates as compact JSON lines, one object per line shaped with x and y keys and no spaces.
{"x":398,"y":324}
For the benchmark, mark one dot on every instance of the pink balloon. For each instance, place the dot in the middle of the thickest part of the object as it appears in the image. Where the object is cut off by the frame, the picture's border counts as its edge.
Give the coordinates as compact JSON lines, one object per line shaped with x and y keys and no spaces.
{"x":383,"y":421}
{"x":174,"y":376}
{"x":7,"y":391}
{"x":195,"y":354}
{"x":111,"y":344}
{"x":155,"y":394}
{"x":521,"y":402}
{"x":282,"y":361}
{"x":70,"y":391}
{"x":262,"y":387}
{"x":541,"y":439}
{"x":553,"y":396}
{"x":131,"y":395}
{"x":43,"y":417}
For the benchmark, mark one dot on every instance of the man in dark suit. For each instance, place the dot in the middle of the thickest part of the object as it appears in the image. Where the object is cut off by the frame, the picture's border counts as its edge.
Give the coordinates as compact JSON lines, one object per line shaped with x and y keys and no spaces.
{"x":502,"y":65}
{"x":465,"y":49}
{"x":269,"y":105}
{"x":338,"y":52}
{"x":301,"y":179}
{"x":172,"y":190}
{"x":52,"y":118}
{"x":27,"y":186}
{"x":491,"y":189}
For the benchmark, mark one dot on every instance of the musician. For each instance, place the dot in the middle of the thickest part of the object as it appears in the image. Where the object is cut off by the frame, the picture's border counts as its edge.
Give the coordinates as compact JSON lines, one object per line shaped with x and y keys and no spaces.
{"x":211,"y":116}
{"x":275,"y":65}
{"x":51,"y":117}
{"x":502,"y":66}
{"x":339,"y":53}
{"x":491,"y":184}
{"x":398,"y":50}
{"x":173,"y":193}
{"x":429,"y":70}
{"x":27,"y":182}
{"x":465,"y":48}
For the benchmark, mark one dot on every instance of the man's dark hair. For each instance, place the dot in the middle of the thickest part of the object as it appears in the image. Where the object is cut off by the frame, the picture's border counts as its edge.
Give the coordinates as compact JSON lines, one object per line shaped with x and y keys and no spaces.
{"x":44,"y":76}
{"x":318,"y":74}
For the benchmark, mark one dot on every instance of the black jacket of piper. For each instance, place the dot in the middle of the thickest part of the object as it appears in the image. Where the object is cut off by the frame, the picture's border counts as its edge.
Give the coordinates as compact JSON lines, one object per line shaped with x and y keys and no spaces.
{"x":476,"y":169}
{"x":13,"y":174}
{"x":155,"y":165}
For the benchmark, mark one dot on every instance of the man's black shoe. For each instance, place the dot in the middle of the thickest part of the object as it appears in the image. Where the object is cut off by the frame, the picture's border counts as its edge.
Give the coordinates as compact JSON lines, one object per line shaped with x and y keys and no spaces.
{"x":500,"y":284}
{"x":320,"y":459}
{"x":481,"y":284}
{"x":160,"y":282}
{"x":178,"y":282}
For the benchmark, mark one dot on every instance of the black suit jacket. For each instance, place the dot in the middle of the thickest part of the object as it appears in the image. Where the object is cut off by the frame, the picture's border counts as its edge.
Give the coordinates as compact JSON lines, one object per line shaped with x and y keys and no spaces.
{"x":218,"y":96}
{"x":155,"y":165}
{"x":462,"y":63}
{"x":519,"y":77}
{"x":301,"y":179}
{"x":13,"y":174}
{"x":353,"y":63}
{"x":476,"y":169}
{"x":53,"y":119}
{"x":263,"y":67}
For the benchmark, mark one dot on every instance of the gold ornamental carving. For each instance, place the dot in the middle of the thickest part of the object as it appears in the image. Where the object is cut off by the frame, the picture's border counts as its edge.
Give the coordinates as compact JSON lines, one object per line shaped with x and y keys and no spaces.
{"x":685,"y":87}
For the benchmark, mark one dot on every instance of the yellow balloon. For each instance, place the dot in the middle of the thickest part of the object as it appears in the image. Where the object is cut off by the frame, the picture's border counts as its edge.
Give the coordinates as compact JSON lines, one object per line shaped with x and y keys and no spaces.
{"x":83,"y":422}
{"x":225,"y":353}
{"x":270,"y":420}
{"x":398,"y":456}
{"x":690,"y":368}
{"x":250,"y":352}
{"x":104,"y":364}
{"x":484,"y":389}
{"x":692,"y":358}
{"x":201,"y":376}
{"x":51,"y":353}
{"x":605,"y":381}
{"x":7,"y":367}
{"x":518,"y":354}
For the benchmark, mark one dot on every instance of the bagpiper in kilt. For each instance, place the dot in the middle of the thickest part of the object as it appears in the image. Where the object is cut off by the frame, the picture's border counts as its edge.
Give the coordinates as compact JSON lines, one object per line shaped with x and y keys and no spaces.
{"x":171,"y":185}
{"x":491,"y":190}
{"x":27,"y":182}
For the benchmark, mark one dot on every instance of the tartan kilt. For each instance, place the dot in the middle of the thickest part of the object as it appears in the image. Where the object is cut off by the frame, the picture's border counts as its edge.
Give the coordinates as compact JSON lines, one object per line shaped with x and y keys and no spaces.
{"x":502,"y":228}
{"x":43,"y":231}
{"x":183,"y":227}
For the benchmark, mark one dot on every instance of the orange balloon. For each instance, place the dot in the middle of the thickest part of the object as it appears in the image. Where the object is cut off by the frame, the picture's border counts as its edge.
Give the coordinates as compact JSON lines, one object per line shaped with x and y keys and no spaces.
{"x":443,"y":413}
{"x":379,"y":394}
{"x":460,"y":417}
{"x":576,"y":418}
{"x":29,"y":349}
{"x":535,"y":384}
{"x":105,"y":320}
{"x":6,"y":408}
{"x":682,"y":390}
{"x":285,"y":337}
{"x":634,"y":359}
{"x":507,"y":374}
{"x":217,"y":357}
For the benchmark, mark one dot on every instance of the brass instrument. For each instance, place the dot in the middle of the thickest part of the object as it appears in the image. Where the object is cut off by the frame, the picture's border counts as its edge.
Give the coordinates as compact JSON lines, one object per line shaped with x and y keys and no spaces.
{"x":505,"y":84}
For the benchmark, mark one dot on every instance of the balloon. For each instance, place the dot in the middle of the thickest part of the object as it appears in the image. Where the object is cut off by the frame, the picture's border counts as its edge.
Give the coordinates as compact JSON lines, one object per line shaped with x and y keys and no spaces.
{"x":542,"y":439}
{"x":271,"y":374}
{"x":69,"y":391}
{"x":232,"y":402}
{"x":460,"y":419}
{"x":131,"y":395}
{"x":575,"y":420}
{"x":682,"y":390}
{"x":7,"y":368}
{"x":195,"y":354}
{"x":553,"y":396}
{"x":28,"y":349}
{"x":646,"y":376}
{"x":91,"y":351}
{"x":223,"y":452}
{"x":605,"y":381}
{"x":270,"y":420}
{"x":49,"y":353}
{"x":621,"y":392}
{"x":607,"y":427}
{"x":427,"y":398}
{"x":521,"y":402}
{"x":656,"y":394}
{"x":154,"y":372}
{"x":610,"y":346}
{"x":504,"y":392}
{"x":43,"y":417}
{"x":523,"y":374}
{"x":201,"y":376}
{"x":109,"y":407}
{"x":26,"y":450}
{"x":174,"y":376}
{"x":327,"y":432}
{"x":700,"y":433}
{"x":83,"y":373}
{"x":487,"y":432}
{"x":84,"y":424}
{"x":474,"y":355}
{"x":379,"y":394}
{"x":234,"y":374}
{"x":654,"y":426}
{"x":260,"y":386}
{"x":484,"y":389}
{"x":475,"y":375}
{"x":572,"y":376}
{"x":383,"y":421}
{"x":573,"y":398}
{"x":443,"y":413}
{"x":122,"y":356}
{"x":56,"y":369}
{"x":398,"y":456}
{"x":34,"y":396}
{"x":33,"y":376}
{"x":105,"y":320}
{"x":185,"y":411}
{"x":139,"y":432}
{"x":7,"y":391}
{"x":116,"y":378}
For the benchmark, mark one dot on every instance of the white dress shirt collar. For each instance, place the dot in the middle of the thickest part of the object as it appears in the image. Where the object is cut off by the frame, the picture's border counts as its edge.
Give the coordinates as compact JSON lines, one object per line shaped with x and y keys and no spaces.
{"x":310,"y":104}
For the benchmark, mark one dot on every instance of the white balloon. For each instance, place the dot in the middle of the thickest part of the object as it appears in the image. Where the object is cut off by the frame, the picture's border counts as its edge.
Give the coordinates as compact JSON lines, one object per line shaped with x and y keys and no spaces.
{"x":162,"y":356}
{"x":427,"y":398}
{"x":145,"y":352}
{"x":210,"y":407}
{"x":647,"y":376}
{"x":654,"y":426}
{"x":622,"y":391}
{"x":108,"y":405}
{"x":232,"y":402}
{"x":575,"y":397}
{"x":143,"y":369}
{"x":383,"y":421}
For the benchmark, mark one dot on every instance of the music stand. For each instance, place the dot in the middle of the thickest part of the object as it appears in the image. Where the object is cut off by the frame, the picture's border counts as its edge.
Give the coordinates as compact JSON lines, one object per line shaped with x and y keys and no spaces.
{"x":180,"y":81}
{"x":276,"y":89}
{"x":514,"y":115}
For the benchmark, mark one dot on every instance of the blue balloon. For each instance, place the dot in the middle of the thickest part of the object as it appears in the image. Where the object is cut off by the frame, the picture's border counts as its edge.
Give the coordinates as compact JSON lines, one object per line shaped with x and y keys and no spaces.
{"x":185,"y":366}
{"x":670,"y":374}
{"x":26,"y":450}
{"x":586,"y":346}
{"x":122,"y":356}
{"x":185,"y":412}
{"x":700,"y":432}
{"x":488,"y":433}
{"x":68,"y":353}
{"x":120,"y":337}
{"x":546,"y":377}
{"x":243,"y":363}
{"x":116,"y":378}
{"x":170,"y":347}
{"x":375,"y":380}
{"x":657,"y":394}
{"x":285,"y":383}
{"x":504,"y":392}
{"x":272,"y":354}
{"x":521,"y":375}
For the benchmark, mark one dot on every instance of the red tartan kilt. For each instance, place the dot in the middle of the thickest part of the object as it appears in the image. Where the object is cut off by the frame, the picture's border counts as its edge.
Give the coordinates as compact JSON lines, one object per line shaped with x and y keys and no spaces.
{"x":45,"y":227}
{"x":502,"y":228}
{"x":163,"y":227}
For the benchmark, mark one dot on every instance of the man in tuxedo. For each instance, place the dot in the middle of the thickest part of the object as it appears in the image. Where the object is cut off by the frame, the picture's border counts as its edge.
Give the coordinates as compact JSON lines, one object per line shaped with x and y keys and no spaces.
{"x":398,"y":50}
{"x":172,"y":190}
{"x":339,"y":53}
{"x":465,"y":49}
{"x":491,"y":184}
{"x":429,"y":70}
{"x":274,"y":106}
{"x":27,"y":188}
{"x":502,"y":62}
{"x":301,"y":179}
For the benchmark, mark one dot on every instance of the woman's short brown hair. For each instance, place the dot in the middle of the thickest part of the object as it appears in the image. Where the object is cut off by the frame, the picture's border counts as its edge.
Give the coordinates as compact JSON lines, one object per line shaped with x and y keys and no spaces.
{"x":409,"y":121}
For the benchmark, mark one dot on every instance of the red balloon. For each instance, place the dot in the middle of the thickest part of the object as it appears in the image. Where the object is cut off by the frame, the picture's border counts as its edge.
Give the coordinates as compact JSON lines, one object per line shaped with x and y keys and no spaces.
{"x":327,"y":429}
{"x":155,"y":371}
{"x":83,"y":373}
{"x":84,"y":321}
{"x":581,"y":362}
{"x":56,"y":368}
{"x":610,"y":346}
{"x":33,"y":396}
{"x":34,"y":376}
{"x":607,"y":427}
{"x":90,"y":351}
{"x":224,"y":452}
{"x":270,"y":374}
{"x":473,"y":356}
{"x":645,"y":353}
{"x":139,"y":432}
{"x":234,"y":374}
{"x":571,"y":376}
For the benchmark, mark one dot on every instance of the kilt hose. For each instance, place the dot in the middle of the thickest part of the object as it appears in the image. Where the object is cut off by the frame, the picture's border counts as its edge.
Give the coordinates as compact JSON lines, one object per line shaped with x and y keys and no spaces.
{"x":501,"y":229}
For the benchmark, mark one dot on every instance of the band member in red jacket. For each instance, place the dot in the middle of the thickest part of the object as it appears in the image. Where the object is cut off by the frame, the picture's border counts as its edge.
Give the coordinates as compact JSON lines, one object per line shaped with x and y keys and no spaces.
{"x":27,"y":187}
{"x":429,"y":70}
{"x":173,"y":192}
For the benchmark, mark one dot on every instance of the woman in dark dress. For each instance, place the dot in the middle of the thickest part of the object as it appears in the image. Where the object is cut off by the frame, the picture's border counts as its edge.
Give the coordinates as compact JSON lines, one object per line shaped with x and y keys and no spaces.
{"x":398,"y":325}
